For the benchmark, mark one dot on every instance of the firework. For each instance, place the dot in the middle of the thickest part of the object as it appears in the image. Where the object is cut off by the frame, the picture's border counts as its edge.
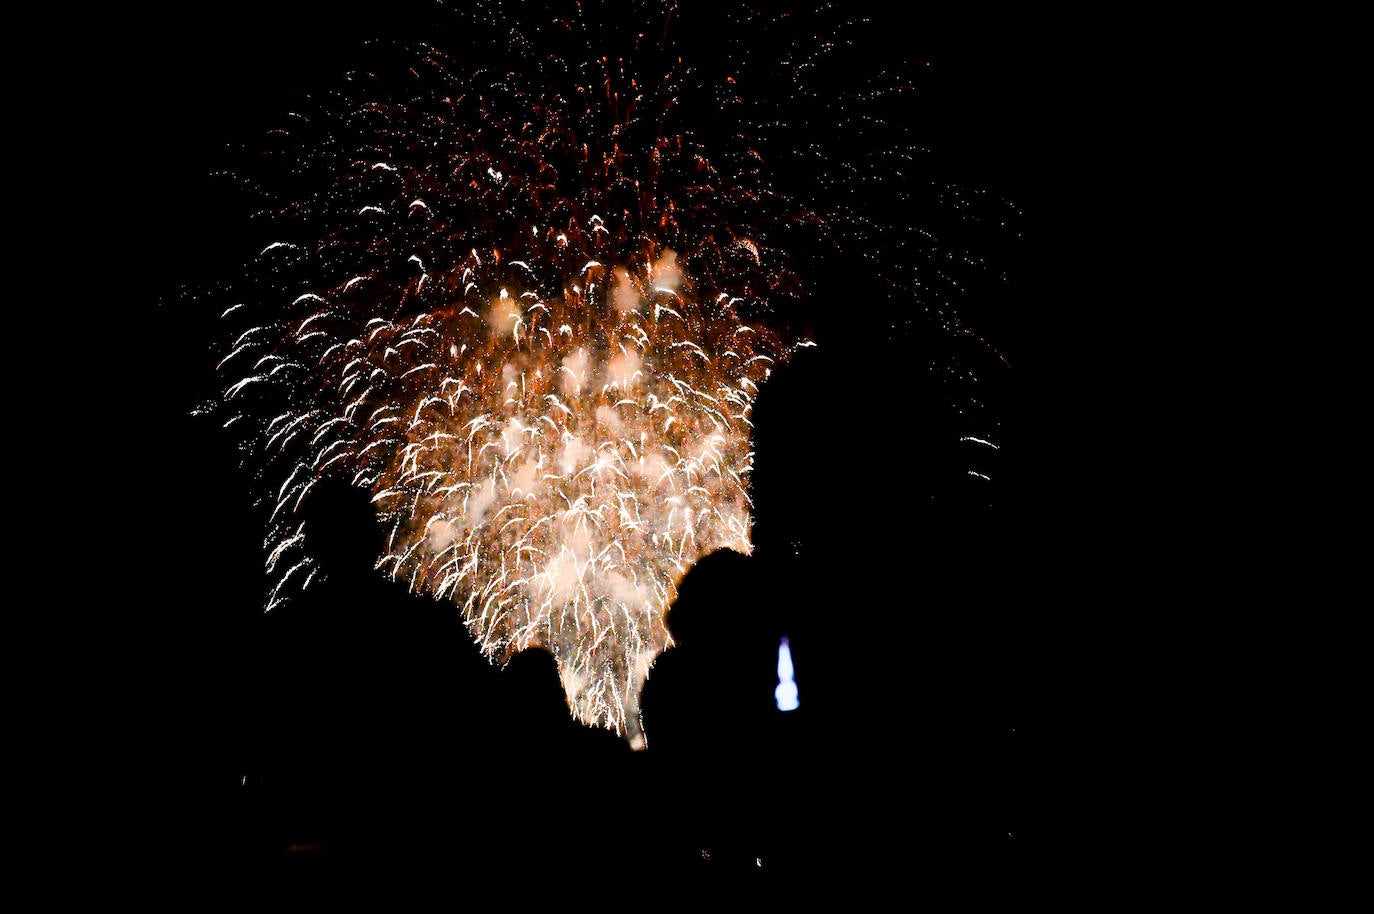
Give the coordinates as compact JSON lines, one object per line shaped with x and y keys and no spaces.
{"x":526,"y":306}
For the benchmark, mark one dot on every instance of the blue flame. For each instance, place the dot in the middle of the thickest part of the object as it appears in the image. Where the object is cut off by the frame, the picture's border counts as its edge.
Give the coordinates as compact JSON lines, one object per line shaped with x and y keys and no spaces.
{"x":786,"y":692}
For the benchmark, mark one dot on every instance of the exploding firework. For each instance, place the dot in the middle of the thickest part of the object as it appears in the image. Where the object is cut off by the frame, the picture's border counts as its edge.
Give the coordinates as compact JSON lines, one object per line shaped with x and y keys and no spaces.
{"x":526,"y":299}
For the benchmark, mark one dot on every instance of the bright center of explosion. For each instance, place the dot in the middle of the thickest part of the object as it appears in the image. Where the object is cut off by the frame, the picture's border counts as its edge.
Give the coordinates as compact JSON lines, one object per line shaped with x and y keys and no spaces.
{"x":563,"y":490}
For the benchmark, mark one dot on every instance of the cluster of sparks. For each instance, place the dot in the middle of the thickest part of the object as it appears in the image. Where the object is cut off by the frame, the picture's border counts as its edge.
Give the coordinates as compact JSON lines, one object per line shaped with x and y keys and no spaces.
{"x":516,"y":311}
{"x":553,"y":464}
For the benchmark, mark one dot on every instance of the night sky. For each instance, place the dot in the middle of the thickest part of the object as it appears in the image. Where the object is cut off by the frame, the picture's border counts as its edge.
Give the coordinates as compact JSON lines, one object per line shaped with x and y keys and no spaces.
{"x":361,"y":735}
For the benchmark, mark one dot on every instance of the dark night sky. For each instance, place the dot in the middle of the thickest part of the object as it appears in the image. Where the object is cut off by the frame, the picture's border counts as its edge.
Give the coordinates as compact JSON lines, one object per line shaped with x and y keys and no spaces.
{"x":245,"y":735}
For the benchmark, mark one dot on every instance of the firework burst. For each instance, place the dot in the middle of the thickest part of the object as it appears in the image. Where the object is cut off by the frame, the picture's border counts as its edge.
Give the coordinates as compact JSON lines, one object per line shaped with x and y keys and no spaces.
{"x":526,"y":301}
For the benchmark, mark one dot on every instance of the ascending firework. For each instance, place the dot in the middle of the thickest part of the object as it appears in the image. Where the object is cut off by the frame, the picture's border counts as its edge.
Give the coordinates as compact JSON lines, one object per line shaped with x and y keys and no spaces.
{"x":519,"y":303}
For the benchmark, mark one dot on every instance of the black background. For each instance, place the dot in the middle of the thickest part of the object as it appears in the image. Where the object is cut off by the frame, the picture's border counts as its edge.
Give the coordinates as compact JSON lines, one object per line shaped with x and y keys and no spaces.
{"x":360,"y":735}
